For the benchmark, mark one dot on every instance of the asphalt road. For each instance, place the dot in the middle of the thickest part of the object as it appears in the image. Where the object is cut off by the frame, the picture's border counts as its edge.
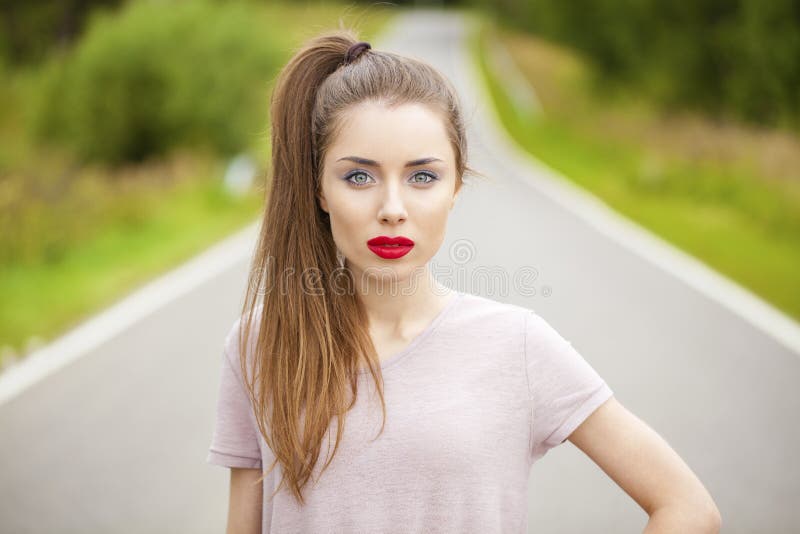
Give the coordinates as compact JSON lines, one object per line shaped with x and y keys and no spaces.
{"x":116,"y":441}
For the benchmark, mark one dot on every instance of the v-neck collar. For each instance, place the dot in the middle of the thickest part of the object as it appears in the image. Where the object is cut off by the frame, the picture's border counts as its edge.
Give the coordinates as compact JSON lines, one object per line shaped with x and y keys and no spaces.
{"x":422,"y":336}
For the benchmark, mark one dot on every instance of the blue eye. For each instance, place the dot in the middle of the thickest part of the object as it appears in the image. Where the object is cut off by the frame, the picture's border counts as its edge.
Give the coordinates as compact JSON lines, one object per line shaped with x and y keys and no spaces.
{"x":357,"y":173}
{"x":429,"y":175}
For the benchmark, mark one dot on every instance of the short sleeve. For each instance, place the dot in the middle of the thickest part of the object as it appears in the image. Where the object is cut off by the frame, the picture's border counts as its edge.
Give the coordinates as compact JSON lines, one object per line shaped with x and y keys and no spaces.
{"x":235,"y":439}
{"x":564,"y":389}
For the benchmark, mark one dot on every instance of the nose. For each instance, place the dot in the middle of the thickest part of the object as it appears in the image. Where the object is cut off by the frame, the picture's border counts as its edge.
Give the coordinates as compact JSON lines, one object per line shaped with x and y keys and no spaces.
{"x":392,"y":209}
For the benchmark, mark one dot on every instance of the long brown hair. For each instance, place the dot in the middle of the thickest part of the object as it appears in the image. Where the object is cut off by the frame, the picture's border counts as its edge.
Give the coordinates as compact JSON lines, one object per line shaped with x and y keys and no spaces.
{"x":311,"y":340}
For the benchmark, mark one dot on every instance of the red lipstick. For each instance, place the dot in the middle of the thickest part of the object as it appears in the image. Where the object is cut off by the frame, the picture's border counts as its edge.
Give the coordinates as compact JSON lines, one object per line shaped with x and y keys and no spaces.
{"x":390,"y":248}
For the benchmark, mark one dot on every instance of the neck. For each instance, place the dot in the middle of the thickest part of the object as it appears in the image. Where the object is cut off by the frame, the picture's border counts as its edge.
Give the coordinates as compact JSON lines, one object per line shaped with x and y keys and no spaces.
{"x":395,"y":305}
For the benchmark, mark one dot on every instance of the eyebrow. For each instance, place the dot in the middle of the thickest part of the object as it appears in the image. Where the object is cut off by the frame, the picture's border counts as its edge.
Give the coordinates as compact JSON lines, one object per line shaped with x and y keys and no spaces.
{"x":373,"y":163}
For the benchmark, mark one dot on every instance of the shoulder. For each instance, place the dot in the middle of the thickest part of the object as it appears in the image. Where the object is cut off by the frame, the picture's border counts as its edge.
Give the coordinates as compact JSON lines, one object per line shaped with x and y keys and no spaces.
{"x":234,"y":338}
{"x":486,"y":316}
{"x":479,"y":305}
{"x":481,"y":314}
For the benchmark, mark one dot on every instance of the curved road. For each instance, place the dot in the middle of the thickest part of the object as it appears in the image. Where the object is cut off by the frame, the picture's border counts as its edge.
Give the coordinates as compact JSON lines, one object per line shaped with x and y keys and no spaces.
{"x":116,"y":441}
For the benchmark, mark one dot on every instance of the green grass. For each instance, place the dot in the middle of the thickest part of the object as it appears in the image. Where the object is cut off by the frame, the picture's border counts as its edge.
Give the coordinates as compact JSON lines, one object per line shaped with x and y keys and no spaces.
{"x":741,"y":224}
{"x":43,"y":299}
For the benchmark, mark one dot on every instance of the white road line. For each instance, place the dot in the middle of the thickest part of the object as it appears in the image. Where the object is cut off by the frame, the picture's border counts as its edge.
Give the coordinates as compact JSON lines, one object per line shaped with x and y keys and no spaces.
{"x":522,"y":93}
{"x":628,"y":233}
{"x":123,"y":314}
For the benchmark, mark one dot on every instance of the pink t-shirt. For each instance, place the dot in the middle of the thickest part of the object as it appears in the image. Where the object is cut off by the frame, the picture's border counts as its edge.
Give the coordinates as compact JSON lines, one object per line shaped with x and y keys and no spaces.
{"x":474,"y":400}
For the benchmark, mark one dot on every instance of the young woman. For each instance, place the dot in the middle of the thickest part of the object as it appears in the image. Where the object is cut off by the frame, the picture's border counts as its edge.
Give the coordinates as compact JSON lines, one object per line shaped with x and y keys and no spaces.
{"x":430,"y":405}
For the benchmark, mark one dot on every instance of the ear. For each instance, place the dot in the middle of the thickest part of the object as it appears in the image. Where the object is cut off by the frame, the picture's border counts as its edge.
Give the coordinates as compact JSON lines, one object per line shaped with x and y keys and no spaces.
{"x":323,"y":202}
{"x":455,"y":195}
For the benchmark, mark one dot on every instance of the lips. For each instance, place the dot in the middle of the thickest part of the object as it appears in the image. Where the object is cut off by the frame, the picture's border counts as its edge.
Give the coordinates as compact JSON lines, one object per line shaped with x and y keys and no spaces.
{"x":390,"y":247}
{"x":386,"y":240}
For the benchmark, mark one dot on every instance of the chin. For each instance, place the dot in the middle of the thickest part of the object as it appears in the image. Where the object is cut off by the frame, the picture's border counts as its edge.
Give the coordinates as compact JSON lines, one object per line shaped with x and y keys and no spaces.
{"x":387,"y":271}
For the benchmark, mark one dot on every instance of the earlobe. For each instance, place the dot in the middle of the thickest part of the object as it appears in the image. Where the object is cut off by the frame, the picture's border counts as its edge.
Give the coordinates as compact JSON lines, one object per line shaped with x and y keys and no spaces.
{"x":322,"y":203}
{"x":455,"y":194}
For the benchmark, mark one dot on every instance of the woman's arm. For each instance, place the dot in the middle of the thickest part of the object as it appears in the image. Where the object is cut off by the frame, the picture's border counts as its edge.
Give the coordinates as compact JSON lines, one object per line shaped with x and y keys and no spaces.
{"x":244,"y":506}
{"x":647,"y":469}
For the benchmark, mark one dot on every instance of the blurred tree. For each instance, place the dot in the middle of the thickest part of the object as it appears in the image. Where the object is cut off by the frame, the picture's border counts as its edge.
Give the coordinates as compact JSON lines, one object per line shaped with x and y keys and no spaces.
{"x":29,"y":30}
{"x":726,"y":57}
{"x":158,"y":75}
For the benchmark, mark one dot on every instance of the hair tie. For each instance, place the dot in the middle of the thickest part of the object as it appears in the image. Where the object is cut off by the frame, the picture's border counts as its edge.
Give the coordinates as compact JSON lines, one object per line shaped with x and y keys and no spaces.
{"x":355,"y":50}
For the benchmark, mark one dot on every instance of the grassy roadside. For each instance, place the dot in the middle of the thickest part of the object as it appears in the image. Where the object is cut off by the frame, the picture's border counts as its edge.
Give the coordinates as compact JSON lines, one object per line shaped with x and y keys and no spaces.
{"x":129,"y":228}
{"x":43,"y":298}
{"x":712,"y":190}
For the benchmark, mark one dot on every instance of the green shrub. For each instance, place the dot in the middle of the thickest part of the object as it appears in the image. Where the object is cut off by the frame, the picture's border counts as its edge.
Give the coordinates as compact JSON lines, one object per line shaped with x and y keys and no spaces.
{"x":158,"y":75}
{"x":729,"y":59}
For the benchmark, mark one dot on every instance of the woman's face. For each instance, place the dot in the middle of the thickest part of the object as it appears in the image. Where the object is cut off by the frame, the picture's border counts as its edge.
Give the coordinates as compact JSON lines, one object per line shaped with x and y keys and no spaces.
{"x":375,"y":184}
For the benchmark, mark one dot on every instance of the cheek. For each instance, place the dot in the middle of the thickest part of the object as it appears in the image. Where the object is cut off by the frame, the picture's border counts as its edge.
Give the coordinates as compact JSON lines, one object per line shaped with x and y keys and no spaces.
{"x":432,"y":219}
{"x":347,"y":215}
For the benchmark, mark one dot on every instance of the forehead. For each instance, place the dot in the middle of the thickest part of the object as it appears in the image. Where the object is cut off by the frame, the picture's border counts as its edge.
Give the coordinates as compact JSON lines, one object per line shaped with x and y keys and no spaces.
{"x":397,"y":134}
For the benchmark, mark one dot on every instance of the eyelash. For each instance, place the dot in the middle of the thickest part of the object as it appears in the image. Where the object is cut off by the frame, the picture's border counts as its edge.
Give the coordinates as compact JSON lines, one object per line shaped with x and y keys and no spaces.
{"x":432,"y":176}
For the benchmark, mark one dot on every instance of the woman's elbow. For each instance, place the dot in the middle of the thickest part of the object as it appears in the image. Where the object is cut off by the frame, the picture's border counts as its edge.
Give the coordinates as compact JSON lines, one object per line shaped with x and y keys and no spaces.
{"x":714,"y":520}
{"x":688,"y":518}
